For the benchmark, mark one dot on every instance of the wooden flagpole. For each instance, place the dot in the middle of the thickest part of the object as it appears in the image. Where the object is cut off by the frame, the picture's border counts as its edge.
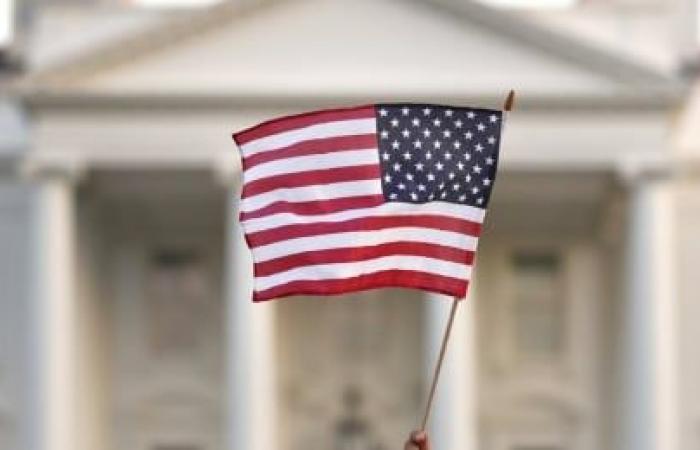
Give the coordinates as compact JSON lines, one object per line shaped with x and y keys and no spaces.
{"x":507,"y":107}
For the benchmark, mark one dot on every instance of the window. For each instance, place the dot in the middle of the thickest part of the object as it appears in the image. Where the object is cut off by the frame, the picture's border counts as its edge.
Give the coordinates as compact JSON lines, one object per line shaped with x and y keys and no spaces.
{"x":176,"y":447}
{"x":178,"y":301}
{"x":532,"y":4}
{"x":536,"y":447}
{"x":174,"y":3}
{"x":538,"y":305}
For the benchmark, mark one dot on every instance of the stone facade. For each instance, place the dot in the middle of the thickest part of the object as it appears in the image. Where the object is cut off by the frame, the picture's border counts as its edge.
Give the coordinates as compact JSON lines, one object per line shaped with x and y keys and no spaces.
{"x":125,"y":321}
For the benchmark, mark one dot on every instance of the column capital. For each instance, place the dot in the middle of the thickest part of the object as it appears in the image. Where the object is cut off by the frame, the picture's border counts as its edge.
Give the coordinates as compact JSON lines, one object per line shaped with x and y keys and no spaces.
{"x":43,"y":166}
{"x":227,"y":169}
{"x":633,"y":171}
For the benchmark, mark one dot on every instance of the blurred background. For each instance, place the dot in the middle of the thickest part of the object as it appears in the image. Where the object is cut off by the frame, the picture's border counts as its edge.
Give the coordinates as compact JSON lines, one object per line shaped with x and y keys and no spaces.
{"x":125,"y":318}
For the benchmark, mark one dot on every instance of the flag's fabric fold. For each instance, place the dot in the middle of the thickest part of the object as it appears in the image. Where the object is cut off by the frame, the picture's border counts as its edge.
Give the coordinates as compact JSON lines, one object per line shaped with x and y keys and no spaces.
{"x":390,"y":195}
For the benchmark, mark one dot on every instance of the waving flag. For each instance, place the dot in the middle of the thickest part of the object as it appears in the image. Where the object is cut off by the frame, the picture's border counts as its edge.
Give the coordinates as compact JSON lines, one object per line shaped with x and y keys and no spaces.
{"x":344,"y":200}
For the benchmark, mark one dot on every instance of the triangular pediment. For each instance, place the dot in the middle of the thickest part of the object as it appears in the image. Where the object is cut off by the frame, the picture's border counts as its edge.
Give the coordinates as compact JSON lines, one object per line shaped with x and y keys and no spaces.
{"x":364,"y":48}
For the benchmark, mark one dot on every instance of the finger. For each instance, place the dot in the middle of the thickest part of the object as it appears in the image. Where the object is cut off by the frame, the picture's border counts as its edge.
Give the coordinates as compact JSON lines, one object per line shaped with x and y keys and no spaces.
{"x":420,"y":438}
{"x":410,"y":446}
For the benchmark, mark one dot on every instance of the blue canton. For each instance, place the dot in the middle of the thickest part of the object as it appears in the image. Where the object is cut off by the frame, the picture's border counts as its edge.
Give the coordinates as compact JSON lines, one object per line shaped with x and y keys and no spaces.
{"x":438,"y":153}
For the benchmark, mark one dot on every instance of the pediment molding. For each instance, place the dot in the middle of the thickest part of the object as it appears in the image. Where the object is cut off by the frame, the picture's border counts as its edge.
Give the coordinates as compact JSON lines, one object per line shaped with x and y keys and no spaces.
{"x":623,"y":73}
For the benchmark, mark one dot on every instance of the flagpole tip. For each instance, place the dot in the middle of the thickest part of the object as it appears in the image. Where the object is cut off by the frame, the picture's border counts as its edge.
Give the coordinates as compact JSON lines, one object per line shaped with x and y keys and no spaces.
{"x":508,"y":105}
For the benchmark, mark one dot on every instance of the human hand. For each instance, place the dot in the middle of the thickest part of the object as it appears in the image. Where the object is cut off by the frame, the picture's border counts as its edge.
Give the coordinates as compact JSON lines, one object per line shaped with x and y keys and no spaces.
{"x":418,"y":440}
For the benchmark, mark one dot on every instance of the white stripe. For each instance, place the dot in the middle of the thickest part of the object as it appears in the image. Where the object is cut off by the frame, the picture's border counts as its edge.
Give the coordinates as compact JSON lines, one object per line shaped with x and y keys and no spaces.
{"x":352,"y":269}
{"x":446,"y":209}
{"x":312,"y":162}
{"x":317,"y":131}
{"x":364,"y":238}
{"x":310,"y":193}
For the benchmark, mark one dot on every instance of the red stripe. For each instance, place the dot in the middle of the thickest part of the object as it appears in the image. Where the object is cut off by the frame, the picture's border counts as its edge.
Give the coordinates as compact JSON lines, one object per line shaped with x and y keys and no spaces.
{"x":311,"y":177}
{"x":313,"y":147}
{"x":364,"y":224}
{"x":353,"y":254}
{"x":390,"y":278}
{"x":315,"y":207}
{"x":288,"y":123}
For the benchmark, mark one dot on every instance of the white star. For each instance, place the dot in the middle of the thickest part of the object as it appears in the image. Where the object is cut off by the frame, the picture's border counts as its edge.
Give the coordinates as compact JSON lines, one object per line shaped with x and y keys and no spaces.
{"x":491,"y":140}
{"x":427,"y":111}
{"x":385,"y":134}
{"x":405,"y":133}
{"x":405,"y":111}
{"x":397,"y":167}
{"x":486,"y":182}
{"x":419,"y":166}
{"x":437,"y":122}
{"x":448,"y":113}
{"x":395,"y":145}
{"x":471,"y":115}
{"x":468,"y":135}
{"x":467,"y":156}
{"x":383,"y":112}
{"x":401,"y":186}
{"x":407,"y":155}
{"x":478,"y":147}
{"x":468,"y":178}
{"x":415,"y":122}
{"x":480,"y":200}
{"x":387,"y":178}
{"x":426,"y":133}
{"x":462,"y":197}
{"x":385,"y":156}
{"x":394,"y":122}
{"x":481,"y":127}
{"x":451,"y":175}
{"x":431,"y":176}
{"x":439,"y":166}
{"x":421,"y":187}
{"x":476,"y":169}
{"x":437,"y":144}
{"x":447,"y":133}
{"x":414,"y":196}
{"x":409,"y":176}
{"x":448,"y":156}
{"x":493,"y":118}
{"x":455,"y":187}
{"x":431,"y":197}
{"x":441,"y":186}
{"x":393,"y":196}
{"x":457,"y":144}
{"x":417,"y":143}
{"x":443,"y":195}
{"x":475,"y":190}
{"x":428,"y":155}
{"x":458,"y":123}
{"x":460,"y":166}
{"x":489,"y":161}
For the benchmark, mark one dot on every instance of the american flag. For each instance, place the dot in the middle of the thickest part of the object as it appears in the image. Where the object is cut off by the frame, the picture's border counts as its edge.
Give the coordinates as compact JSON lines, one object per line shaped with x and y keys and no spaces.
{"x":390,"y":195}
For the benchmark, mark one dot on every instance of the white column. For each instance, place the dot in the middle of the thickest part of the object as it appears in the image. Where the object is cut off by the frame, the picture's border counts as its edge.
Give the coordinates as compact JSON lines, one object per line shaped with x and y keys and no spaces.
{"x":252,"y":418}
{"x":649,"y":396}
{"x":453,"y":424}
{"x":53,"y":311}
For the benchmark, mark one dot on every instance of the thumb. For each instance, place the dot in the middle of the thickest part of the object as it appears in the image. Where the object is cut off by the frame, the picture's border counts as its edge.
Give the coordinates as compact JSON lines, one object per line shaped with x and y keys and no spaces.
{"x":419,"y":439}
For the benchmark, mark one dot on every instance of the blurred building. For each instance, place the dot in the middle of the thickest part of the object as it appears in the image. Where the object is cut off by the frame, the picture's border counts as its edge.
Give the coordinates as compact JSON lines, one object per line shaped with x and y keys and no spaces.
{"x":125,"y":320}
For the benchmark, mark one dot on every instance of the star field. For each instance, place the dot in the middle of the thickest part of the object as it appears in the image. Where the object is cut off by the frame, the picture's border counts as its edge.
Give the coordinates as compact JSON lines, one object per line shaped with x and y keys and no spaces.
{"x":438,"y":153}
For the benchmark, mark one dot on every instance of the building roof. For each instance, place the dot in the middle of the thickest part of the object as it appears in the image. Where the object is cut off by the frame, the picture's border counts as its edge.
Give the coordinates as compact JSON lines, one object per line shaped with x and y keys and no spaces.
{"x":253,"y":50}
